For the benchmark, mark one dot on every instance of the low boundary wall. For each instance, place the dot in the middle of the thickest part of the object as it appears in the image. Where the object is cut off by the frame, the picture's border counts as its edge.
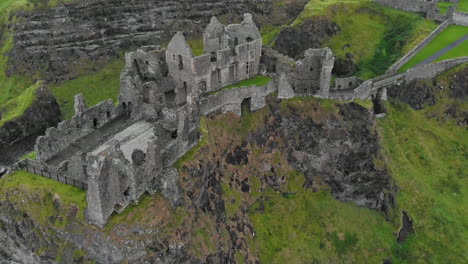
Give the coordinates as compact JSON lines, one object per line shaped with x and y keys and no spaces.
{"x":48,"y":171}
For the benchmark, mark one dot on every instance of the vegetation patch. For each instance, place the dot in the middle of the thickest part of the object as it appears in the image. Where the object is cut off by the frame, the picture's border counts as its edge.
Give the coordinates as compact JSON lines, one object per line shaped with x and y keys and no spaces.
{"x":444,"y":6}
{"x":427,"y":159}
{"x":96,"y":87}
{"x":459,"y":51}
{"x":32,"y":156}
{"x":449,"y":35}
{"x":46,"y":201}
{"x":258,"y":80}
{"x":197,"y":46}
{"x":374,"y":35}
{"x":15,"y":85}
{"x":15,"y":107}
{"x":463,"y":6}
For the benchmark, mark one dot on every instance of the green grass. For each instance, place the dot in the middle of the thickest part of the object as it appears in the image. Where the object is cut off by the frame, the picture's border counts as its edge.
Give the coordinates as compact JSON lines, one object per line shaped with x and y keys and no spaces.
{"x":192,"y":152}
{"x":34,"y":194}
{"x":15,"y":85}
{"x":32,"y":155}
{"x":313,"y":227}
{"x":197,"y":46}
{"x":375,"y":35}
{"x":96,"y":87}
{"x":463,"y":6}
{"x":269,"y":33}
{"x":428,"y":161}
{"x":450,"y":34}
{"x":15,"y":107}
{"x":258,"y":80}
{"x":444,"y":6}
{"x":459,"y":51}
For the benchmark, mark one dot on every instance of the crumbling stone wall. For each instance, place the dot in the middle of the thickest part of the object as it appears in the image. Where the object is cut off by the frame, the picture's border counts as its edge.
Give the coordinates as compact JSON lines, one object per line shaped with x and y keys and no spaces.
{"x":232,"y":100}
{"x":232,"y":54}
{"x":83,"y":123}
{"x":309,"y":76}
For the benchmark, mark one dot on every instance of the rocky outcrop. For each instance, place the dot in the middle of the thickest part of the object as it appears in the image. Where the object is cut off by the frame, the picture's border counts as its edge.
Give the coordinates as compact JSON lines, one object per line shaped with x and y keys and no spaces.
{"x":42,"y":114}
{"x":62,"y":41}
{"x":339,"y":150}
{"x":313,"y":33}
{"x":421,"y":93}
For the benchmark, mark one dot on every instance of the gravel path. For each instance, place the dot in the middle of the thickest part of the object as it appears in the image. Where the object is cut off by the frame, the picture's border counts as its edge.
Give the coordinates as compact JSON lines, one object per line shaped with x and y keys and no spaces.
{"x":441,"y":52}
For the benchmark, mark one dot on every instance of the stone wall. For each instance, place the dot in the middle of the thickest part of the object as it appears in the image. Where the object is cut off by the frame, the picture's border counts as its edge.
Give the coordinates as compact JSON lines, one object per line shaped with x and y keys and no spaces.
{"x":460,"y":18}
{"x":402,"y":61}
{"x":57,"y":173}
{"x":80,"y":125}
{"x":231,"y":100}
{"x":369,"y":87}
{"x":408,"y":5}
{"x":346,"y":83}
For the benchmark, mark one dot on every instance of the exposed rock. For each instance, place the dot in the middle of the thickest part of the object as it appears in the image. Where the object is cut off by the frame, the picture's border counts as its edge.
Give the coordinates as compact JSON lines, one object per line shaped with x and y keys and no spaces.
{"x":61,"y":41}
{"x":406,"y":228}
{"x":17,"y":136}
{"x":313,"y":33}
{"x":340,"y":151}
{"x":415,"y":93}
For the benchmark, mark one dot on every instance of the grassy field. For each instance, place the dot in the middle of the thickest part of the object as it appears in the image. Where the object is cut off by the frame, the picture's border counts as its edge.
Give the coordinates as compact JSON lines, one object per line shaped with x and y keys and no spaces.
{"x":96,"y":87}
{"x":463,"y":6}
{"x":35,"y":194}
{"x":459,"y":51}
{"x":449,"y":35}
{"x":375,"y":35}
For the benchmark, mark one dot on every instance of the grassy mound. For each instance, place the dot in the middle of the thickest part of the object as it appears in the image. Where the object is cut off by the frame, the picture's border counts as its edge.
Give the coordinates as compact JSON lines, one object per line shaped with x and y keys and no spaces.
{"x":375,"y":35}
{"x":36,"y":194}
{"x":449,"y":35}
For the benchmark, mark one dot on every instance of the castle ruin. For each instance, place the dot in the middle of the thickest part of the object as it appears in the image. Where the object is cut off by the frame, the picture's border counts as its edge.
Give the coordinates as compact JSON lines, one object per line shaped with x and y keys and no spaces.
{"x":119,"y":152}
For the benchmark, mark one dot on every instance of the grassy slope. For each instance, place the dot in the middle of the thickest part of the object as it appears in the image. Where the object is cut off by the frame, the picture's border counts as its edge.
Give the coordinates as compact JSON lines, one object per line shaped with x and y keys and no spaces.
{"x":377,"y":36}
{"x":15,"y":107}
{"x":429,"y":163}
{"x":34,"y":194}
{"x":96,"y":87}
{"x":449,"y":35}
{"x":13,"y":86}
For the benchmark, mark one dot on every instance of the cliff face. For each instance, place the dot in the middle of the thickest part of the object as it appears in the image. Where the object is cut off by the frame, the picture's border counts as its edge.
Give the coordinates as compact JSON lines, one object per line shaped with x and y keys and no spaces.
{"x":60,"y":42}
{"x":239,"y":164}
